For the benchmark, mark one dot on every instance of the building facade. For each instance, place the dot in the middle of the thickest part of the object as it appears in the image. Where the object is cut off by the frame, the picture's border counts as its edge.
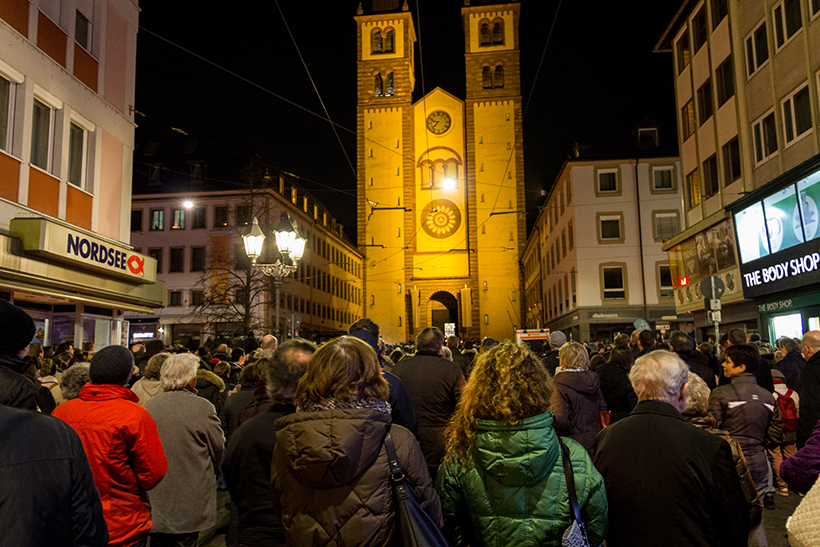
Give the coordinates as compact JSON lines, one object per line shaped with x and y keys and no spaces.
{"x":599,"y":236}
{"x":746,"y":84}
{"x":441,"y":180}
{"x":67,"y":71}
{"x":212,"y":288}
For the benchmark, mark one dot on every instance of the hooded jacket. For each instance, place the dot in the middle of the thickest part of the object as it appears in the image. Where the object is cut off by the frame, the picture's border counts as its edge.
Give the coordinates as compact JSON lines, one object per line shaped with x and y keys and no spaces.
{"x":330,"y":480}
{"x":146,"y":389}
{"x":125,"y":453}
{"x":15,"y":389}
{"x":515,"y":493}
{"x":576,"y":400}
{"x":209,"y":386}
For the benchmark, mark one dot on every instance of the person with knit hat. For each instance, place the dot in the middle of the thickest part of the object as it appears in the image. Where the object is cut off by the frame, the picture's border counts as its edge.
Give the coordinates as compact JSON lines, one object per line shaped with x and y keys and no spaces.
{"x":16,"y":332}
{"x":122,"y":444}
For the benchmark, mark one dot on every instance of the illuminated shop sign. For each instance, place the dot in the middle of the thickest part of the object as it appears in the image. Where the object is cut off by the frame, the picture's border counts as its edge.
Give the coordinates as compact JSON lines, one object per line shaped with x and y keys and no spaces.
{"x":58,"y":242}
{"x":779,"y":240}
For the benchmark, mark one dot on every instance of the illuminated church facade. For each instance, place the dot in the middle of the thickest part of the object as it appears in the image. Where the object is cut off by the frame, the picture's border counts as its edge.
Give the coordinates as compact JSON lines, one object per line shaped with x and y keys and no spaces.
{"x":441,"y":205}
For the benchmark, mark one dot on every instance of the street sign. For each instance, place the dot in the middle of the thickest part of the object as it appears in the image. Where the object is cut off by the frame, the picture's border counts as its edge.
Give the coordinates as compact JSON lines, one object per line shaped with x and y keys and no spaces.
{"x":712,"y":287}
{"x":714,"y":316}
{"x":714,"y":304}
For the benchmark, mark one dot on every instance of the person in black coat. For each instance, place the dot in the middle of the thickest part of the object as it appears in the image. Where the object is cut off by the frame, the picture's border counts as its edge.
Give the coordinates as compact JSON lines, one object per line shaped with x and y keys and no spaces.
{"x":619,"y":396}
{"x":792,"y":363}
{"x":668,"y":482}
{"x":16,"y":332}
{"x":246,"y":462}
{"x":47,"y":492}
{"x":684,"y":346}
{"x":809,"y":388}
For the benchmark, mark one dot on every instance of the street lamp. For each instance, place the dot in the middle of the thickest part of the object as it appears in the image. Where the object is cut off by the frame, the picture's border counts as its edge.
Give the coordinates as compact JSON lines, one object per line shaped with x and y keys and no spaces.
{"x":291,"y":246}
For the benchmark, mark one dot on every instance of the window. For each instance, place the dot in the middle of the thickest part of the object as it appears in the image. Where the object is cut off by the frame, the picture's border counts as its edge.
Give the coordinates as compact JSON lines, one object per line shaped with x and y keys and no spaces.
{"x":198,"y":220}
{"x":572,"y":279}
{"x":77,"y":156}
{"x":725,"y":81}
{"x":666,"y":225}
{"x":136,"y":220}
{"x":377,"y":41}
{"x":174,"y":299}
{"x":389,"y":40}
{"x":613,"y":286}
{"x":241,"y":296}
{"x":563,"y":244}
{"x":693,"y":187}
{"x":390,"y":88}
{"x":699,"y":30}
{"x":486,"y":78}
{"x":498,"y":32}
{"x":561,"y":202}
{"x":42,"y":135}
{"x":571,"y":236}
{"x":662,"y":178}
{"x":197,"y":259}
{"x":378,"y":86}
{"x":815,"y":7}
{"x":156,"y":254}
{"x":610,"y":227}
{"x":796,"y":115}
{"x":787,"y":21}
{"x":569,"y":191}
{"x":688,"y":119}
{"x":243,"y":215}
{"x":484,"y":34}
{"x":665,"y":287}
{"x":197,"y":298}
{"x":220,"y":216}
{"x":757,"y":49}
{"x":177,"y":260}
{"x":731,"y":161}
{"x":765,"y":137}
{"x":705,"y":101}
{"x":647,"y":138}
{"x":682,"y":48}
{"x":607,"y":181}
{"x":7,"y":92}
{"x":157,"y":216}
{"x":720,"y":9}
{"x":82,"y":31}
{"x":498,"y":76}
{"x":179,"y":219}
{"x":711,"y":182}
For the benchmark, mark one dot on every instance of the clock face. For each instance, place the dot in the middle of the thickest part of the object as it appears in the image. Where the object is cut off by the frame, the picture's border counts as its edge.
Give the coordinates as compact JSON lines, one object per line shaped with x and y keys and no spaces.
{"x":441,"y":218}
{"x":438,"y":122}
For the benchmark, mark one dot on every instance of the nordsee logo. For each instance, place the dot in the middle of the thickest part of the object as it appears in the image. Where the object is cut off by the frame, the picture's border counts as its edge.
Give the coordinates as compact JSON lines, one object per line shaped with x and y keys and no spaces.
{"x":106,"y":256}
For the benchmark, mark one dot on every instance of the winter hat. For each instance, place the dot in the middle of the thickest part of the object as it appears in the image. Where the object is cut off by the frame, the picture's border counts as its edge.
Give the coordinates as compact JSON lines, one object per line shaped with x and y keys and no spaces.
{"x":557,"y":339}
{"x":112,"y":365}
{"x":487,"y":343}
{"x":16,"y":326}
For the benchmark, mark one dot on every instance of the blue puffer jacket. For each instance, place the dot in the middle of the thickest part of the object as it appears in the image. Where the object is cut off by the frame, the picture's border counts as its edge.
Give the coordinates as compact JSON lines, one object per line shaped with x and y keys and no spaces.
{"x":515,"y":494}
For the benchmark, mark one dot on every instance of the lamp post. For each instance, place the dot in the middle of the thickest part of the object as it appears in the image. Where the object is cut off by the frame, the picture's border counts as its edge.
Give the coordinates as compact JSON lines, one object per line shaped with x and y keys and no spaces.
{"x":291,"y":246}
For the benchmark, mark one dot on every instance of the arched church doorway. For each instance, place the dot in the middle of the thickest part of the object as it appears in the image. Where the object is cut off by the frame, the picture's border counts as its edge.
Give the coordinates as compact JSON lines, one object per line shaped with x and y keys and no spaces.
{"x":444,"y":307}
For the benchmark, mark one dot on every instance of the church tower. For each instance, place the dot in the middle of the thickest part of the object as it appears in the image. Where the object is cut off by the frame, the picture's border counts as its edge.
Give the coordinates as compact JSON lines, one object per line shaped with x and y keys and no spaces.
{"x":495,"y":166}
{"x":440,"y":189}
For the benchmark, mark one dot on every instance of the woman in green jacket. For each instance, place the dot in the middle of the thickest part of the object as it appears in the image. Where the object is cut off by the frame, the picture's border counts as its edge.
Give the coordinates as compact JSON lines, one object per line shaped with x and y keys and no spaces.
{"x":503,"y":479}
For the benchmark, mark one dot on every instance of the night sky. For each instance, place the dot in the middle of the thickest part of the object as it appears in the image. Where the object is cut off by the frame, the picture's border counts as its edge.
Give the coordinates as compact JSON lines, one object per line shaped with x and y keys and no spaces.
{"x":599,"y":71}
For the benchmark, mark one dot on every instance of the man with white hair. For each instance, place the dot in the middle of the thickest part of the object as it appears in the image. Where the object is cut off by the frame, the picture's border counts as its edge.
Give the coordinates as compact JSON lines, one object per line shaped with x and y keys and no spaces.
{"x":184,"y":503}
{"x":667,"y":481}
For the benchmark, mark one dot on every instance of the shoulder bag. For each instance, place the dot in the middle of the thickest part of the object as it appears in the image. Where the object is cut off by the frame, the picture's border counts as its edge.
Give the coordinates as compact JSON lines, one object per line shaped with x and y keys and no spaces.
{"x":576,"y":534}
{"x":416,"y":528}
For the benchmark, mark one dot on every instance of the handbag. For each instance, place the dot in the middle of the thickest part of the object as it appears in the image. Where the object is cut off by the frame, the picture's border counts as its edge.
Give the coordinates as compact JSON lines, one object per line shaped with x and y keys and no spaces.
{"x":576,"y":534}
{"x":416,"y":528}
{"x":804,"y":525}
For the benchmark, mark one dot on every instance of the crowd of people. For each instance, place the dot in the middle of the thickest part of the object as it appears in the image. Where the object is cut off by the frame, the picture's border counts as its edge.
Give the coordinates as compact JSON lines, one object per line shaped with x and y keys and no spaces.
{"x":664,"y":442}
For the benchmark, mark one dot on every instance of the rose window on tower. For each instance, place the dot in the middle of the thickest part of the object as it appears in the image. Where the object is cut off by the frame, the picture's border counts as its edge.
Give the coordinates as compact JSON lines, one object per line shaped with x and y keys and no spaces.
{"x":440,"y":218}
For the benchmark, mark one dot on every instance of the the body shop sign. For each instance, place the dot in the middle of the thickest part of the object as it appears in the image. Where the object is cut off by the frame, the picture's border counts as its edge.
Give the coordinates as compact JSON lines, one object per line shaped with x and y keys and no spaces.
{"x":58,"y":242}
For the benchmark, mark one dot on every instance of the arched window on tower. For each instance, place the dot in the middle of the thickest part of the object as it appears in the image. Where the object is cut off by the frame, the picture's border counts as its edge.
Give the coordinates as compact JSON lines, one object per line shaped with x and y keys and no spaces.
{"x":486,"y":78}
{"x":377,"y":41}
{"x":390,"y":89}
{"x":484,"y":34}
{"x":388,"y":41}
{"x":498,"y":32}
{"x":498,"y":77}
{"x":378,"y":86}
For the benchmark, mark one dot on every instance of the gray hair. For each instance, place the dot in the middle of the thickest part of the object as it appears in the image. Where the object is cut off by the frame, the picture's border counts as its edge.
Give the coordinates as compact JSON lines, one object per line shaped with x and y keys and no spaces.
{"x":177,"y":371}
{"x":447,"y":353}
{"x":73,"y":380}
{"x":789,"y":345}
{"x":155,"y":365}
{"x":697,"y":396}
{"x":659,"y":376}
{"x":573,"y":355}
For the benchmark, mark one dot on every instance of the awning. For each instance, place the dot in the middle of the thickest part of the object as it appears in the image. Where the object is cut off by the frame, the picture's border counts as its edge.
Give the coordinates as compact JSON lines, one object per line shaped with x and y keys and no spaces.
{"x":71,"y":297}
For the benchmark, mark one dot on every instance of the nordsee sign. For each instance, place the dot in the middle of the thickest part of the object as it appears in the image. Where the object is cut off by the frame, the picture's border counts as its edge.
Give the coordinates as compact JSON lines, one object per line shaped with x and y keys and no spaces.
{"x":791,"y":268}
{"x":58,"y":242}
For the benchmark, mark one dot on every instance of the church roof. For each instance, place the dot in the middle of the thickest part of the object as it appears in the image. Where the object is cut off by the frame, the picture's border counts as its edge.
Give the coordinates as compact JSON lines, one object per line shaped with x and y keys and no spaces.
{"x":370,"y":7}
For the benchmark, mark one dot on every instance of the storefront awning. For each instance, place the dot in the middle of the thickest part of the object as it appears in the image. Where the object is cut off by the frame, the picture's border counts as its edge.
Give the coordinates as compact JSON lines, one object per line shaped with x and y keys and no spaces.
{"x":23,"y":289}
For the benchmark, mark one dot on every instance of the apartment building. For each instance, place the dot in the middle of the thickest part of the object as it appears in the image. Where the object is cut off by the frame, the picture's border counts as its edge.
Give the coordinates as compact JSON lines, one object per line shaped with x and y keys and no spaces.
{"x":67,"y":70}
{"x":746,"y":85}
{"x":600,"y":236}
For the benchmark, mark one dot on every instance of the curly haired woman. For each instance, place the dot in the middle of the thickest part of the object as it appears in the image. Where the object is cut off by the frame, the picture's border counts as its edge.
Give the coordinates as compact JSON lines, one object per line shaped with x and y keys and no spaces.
{"x":503,"y":479}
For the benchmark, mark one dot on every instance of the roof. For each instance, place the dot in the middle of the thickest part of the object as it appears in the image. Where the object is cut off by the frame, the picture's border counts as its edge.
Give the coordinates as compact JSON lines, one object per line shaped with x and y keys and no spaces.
{"x":665,"y":42}
{"x":373,"y":7}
